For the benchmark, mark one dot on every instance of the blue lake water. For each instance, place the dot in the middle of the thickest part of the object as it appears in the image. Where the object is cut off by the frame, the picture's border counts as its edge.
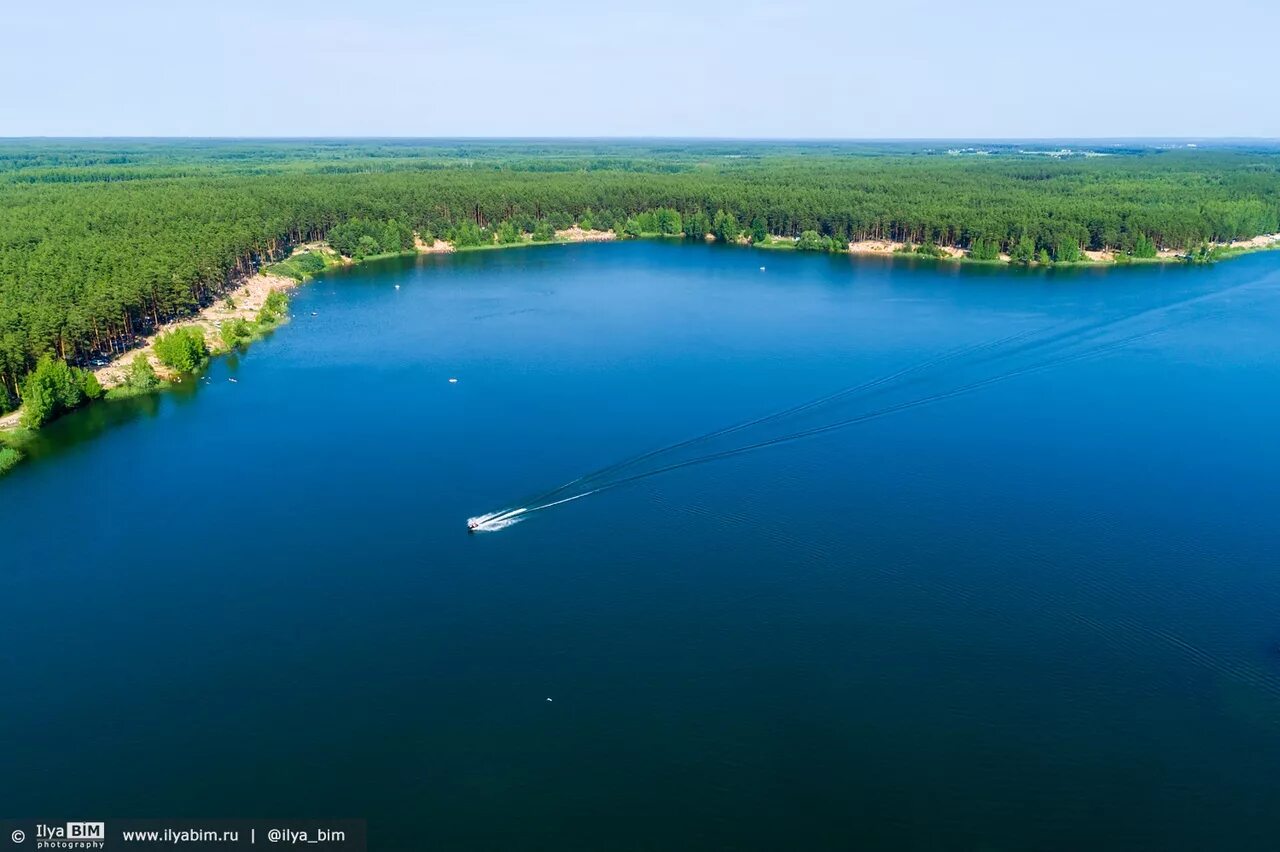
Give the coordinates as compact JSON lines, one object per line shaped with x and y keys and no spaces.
{"x":1028,"y":598}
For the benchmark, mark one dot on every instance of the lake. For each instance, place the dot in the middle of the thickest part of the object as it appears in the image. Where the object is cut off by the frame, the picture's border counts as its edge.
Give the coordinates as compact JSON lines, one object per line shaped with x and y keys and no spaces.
{"x":1016,"y":588}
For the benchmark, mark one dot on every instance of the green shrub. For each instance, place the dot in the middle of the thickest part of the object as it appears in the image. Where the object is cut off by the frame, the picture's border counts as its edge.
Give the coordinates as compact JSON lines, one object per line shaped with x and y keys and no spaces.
{"x":302,"y":266}
{"x":669,"y":222}
{"x":508,"y":233}
{"x":54,"y":388}
{"x":308,"y":262}
{"x":141,"y":374}
{"x":359,"y":238}
{"x":812,"y":241}
{"x":274,"y":308}
{"x":468,"y":234}
{"x":8,"y":458}
{"x":89,"y":384}
{"x":286,"y":268}
{"x":235,"y":332}
{"x":1144,"y":248}
{"x":1067,"y":251}
{"x":697,"y":225}
{"x":183,"y":349}
{"x":983,"y":249}
{"x":725,"y":227}
{"x":1024,"y":251}
{"x":1203,"y":253}
{"x":928,"y":249}
{"x":141,"y":379}
{"x":543,"y":232}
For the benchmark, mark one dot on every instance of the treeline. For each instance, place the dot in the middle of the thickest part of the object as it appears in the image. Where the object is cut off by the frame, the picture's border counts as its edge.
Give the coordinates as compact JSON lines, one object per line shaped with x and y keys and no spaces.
{"x":101,"y":244}
{"x":360,"y":238}
{"x":55,"y":387}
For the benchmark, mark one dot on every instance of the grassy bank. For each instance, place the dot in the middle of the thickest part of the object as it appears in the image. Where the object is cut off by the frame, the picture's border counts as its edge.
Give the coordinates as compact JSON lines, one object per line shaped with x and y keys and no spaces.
{"x":179,"y":351}
{"x":205,"y":337}
{"x":305,"y":263}
{"x":89,"y":257}
{"x":776,"y":245}
{"x":12,"y":444}
{"x":9,"y":458}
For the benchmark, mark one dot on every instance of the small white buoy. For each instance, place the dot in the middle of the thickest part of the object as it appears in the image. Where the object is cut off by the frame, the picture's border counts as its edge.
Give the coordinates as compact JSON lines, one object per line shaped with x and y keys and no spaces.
{"x":230,"y":380}
{"x":397,"y":286}
{"x":548,"y":699}
{"x":762,"y":269}
{"x":453,"y":381}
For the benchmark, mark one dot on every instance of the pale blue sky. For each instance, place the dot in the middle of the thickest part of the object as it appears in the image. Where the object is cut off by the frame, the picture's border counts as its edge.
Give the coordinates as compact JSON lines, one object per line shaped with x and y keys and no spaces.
{"x":896,"y":68}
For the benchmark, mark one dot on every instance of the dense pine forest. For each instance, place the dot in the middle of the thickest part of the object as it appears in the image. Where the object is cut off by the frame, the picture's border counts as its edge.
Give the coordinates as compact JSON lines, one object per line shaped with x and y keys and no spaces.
{"x":102,"y":241}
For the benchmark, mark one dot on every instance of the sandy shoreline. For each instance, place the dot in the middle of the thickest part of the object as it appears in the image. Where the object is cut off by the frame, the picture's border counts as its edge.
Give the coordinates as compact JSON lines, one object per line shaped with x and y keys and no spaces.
{"x":874,"y":247}
{"x":884,"y":247}
{"x":579,"y":235}
{"x":434,"y":247}
{"x":248,"y":299}
{"x":249,"y":296}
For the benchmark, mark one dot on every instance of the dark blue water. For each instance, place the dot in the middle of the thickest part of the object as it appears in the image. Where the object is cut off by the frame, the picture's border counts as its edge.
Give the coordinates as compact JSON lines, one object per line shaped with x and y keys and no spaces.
{"x":1043,"y":614}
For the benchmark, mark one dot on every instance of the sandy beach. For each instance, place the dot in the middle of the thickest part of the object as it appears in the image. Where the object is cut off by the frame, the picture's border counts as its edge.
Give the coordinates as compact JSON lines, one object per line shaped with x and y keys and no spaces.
{"x":247,"y":298}
{"x":578,"y":235}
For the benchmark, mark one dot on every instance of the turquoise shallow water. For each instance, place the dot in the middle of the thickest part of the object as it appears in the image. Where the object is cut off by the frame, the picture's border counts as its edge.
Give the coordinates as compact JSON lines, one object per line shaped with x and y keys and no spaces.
{"x":1043,"y":614}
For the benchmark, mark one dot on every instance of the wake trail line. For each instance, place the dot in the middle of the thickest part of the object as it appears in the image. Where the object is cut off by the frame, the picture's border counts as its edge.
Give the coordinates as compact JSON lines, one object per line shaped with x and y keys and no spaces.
{"x":1001,"y":349}
{"x":489,"y":522}
{"x":871,"y":385}
{"x":847,"y":422}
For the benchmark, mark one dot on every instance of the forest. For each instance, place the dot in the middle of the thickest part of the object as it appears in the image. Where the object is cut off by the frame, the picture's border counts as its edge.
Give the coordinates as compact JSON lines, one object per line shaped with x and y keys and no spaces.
{"x":101,"y":242}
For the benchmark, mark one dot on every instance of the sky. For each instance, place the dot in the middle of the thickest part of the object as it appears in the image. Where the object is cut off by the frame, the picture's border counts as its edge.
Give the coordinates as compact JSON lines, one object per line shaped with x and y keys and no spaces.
{"x":418,"y":68}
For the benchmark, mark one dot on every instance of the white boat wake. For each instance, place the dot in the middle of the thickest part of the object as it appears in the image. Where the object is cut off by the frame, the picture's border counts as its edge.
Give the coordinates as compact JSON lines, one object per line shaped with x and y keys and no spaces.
{"x":494,"y":521}
{"x":500,"y":520}
{"x":1056,"y":346}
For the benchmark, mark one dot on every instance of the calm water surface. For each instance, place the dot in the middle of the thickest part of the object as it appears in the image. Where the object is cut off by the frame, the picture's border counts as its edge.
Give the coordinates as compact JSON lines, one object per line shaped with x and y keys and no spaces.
{"x":1043,"y":614}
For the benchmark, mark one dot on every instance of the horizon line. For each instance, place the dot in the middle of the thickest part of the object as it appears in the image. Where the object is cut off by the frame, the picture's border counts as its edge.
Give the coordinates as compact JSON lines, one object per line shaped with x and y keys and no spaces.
{"x":656,"y":138}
